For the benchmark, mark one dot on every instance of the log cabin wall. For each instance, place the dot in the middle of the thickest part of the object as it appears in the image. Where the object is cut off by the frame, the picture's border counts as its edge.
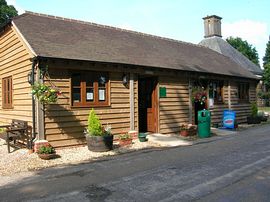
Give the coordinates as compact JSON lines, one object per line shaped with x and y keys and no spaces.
{"x":174,"y":108}
{"x":243,"y":109}
{"x":15,"y":62}
{"x":64,"y":124}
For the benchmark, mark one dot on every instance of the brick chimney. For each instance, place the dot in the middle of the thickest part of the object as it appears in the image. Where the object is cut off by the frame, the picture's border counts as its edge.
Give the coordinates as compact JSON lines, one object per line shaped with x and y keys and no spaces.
{"x":212,"y":26}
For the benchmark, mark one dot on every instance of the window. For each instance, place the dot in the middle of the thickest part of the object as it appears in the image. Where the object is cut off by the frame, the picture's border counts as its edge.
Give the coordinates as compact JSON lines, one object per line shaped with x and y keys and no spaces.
{"x":90,"y":89}
{"x":7,"y":92}
{"x":216,"y":91}
{"x":243,"y":91}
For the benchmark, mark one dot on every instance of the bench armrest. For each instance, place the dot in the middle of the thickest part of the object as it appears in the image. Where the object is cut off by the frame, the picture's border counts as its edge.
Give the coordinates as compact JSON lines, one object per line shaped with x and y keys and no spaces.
{"x":14,"y":130}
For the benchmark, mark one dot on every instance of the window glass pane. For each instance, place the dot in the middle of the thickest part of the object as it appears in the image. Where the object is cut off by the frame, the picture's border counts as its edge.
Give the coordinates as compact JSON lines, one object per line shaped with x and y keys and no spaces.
{"x":76,"y":80}
{"x":89,"y":94}
{"x":102,"y":81}
{"x":76,"y":95}
{"x":101,"y":94}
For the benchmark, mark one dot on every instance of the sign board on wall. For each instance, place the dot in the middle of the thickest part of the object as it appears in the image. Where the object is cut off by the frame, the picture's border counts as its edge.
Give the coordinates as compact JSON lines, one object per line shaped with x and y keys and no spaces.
{"x":162,"y":92}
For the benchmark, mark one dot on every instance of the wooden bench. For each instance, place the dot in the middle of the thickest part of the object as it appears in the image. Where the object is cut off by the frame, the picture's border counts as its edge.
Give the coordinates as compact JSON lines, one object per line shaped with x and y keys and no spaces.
{"x":17,"y":130}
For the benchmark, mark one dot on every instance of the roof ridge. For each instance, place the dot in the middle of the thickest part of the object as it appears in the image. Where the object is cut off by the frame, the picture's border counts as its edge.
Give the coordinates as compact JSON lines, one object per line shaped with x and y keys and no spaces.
{"x":110,"y":27}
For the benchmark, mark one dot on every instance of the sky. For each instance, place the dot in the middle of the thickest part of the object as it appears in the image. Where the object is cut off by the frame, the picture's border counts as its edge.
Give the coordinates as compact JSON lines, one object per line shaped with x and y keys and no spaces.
{"x":176,"y":19}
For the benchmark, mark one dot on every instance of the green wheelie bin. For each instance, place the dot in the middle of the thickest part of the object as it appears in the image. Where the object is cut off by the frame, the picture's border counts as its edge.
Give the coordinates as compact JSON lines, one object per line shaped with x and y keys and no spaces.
{"x":204,"y":123}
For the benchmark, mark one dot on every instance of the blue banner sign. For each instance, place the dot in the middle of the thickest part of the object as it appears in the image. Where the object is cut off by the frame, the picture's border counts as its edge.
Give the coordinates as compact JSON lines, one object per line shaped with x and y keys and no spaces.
{"x":228,"y":119}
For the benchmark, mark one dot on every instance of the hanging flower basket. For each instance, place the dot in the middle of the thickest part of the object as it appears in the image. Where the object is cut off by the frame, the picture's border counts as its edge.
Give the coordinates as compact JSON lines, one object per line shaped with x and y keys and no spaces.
{"x":45,"y":94}
{"x":199,"y":95}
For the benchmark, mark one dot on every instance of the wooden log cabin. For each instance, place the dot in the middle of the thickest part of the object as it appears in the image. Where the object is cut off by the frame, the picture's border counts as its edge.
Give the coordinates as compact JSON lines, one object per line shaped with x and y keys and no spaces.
{"x":134,"y":81}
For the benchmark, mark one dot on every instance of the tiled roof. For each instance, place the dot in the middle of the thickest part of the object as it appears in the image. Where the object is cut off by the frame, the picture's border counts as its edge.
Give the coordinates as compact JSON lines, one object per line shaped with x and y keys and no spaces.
{"x":223,"y":47}
{"x":56,"y":37}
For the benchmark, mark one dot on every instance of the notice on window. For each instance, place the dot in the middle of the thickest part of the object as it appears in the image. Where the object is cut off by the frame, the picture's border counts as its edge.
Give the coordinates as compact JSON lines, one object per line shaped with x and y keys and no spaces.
{"x":211,"y":102}
{"x":89,"y":96}
{"x":101,"y":94}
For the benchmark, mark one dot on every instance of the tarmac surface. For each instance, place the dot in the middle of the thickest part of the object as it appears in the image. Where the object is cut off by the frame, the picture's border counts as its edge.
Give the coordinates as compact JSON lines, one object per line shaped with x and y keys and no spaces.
{"x":230,"y":167}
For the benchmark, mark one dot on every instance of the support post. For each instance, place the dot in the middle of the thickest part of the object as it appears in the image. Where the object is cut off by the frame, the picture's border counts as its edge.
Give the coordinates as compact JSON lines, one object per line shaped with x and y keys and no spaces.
{"x":131,"y":95}
{"x":229,"y":96}
{"x":40,"y":113}
{"x":190,"y":101}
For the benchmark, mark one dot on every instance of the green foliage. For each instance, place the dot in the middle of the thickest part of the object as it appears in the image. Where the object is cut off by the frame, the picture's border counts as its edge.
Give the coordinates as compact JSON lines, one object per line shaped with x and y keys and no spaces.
{"x":45,"y":94}
{"x":266,"y":76}
{"x":245,"y":48}
{"x":125,"y":136}
{"x":2,"y":130}
{"x":6,"y":12}
{"x":263,"y":95}
{"x":266,"y":58}
{"x":254,"y":109}
{"x":94,"y":125}
{"x":46,"y":150}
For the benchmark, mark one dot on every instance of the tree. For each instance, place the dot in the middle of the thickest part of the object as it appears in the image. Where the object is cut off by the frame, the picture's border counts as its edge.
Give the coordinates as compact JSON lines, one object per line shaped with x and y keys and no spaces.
{"x":6,"y":12}
{"x":266,"y":65}
{"x":266,"y":58}
{"x":266,"y":76}
{"x":245,"y":48}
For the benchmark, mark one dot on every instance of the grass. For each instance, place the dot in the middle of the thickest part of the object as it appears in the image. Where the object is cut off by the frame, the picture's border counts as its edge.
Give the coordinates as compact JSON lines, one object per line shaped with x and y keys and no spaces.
{"x":266,"y":109}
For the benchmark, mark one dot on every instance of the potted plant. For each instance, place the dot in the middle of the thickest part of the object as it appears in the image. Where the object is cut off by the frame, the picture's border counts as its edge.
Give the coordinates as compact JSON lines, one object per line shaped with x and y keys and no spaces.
{"x":184,"y":130}
{"x":188,"y":130}
{"x":98,"y":138}
{"x":125,"y":139}
{"x":46,"y":152}
{"x":142,"y":137}
{"x":254,"y":118}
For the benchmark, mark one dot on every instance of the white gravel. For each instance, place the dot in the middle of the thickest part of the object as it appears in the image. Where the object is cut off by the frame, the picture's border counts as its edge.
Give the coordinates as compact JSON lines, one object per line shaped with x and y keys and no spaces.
{"x":22,"y":160}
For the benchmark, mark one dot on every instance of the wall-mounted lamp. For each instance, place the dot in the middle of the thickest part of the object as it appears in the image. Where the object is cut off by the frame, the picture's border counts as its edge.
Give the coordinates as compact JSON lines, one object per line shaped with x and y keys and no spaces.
{"x":125,"y":79}
{"x":29,"y":78}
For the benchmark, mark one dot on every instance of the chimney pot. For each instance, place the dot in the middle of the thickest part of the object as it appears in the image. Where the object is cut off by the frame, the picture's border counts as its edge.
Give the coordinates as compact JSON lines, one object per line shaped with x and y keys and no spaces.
{"x":212,"y":26}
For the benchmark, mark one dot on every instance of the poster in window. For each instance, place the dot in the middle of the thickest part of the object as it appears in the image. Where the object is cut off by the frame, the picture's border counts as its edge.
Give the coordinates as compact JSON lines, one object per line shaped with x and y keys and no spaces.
{"x":101,"y":94}
{"x":89,"y":96}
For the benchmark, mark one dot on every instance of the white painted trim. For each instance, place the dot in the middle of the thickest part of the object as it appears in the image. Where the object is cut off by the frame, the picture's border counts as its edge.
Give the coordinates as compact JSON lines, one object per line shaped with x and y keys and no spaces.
{"x":24,"y":40}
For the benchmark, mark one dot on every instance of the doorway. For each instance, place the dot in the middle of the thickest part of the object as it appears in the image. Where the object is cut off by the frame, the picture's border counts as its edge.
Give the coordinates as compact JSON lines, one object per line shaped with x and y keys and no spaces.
{"x":148,"y":104}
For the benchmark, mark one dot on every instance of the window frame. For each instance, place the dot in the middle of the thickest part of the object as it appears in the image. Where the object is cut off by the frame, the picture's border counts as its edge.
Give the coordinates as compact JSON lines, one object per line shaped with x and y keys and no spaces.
{"x":7,"y":95}
{"x":83,"y":87}
{"x":240,"y":91}
{"x":219,"y":84}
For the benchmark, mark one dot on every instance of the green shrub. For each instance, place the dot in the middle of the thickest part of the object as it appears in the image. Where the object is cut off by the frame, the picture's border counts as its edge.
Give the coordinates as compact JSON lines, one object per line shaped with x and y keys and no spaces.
{"x":254,"y":109}
{"x":125,"y":136}
{"x":94,"y":125}
{"x":46,"y":150}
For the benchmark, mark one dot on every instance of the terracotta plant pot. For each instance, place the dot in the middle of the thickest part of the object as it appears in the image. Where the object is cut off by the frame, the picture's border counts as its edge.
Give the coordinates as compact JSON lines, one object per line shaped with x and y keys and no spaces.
{"x":184,"y":133}
{"x":47,"y":156}
{"x":125,"y":142}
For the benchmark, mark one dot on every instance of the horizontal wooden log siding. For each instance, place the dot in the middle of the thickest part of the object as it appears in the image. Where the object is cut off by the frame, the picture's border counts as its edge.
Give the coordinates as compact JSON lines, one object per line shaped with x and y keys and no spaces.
{"x":64,"y":124}
{"x":243,"y":109}
{"x":174,"y":107}
{"x":15,"y":62}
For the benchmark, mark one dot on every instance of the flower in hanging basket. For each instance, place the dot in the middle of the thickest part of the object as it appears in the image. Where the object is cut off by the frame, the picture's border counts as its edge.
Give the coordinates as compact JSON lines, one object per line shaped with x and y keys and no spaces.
{"x":199,"y":95}
{"x":45,"y":94}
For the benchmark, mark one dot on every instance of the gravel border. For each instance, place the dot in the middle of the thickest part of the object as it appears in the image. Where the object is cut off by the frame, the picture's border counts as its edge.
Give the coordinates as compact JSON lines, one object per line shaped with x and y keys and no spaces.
{"x":22,"y":160}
